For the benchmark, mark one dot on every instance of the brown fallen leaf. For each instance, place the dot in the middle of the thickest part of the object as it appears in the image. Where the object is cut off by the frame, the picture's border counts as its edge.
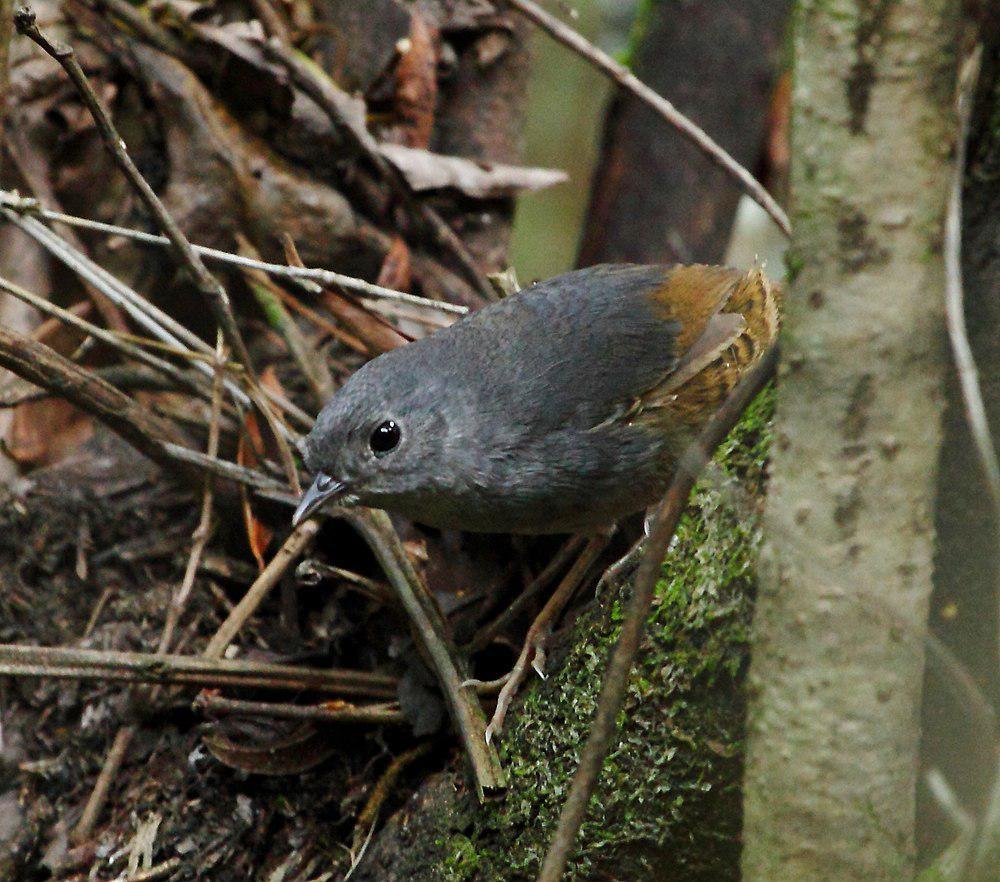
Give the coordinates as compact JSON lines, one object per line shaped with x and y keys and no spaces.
{"x":396,"y":271}
{"x":251,"y":449}
{"x":416,"y":84}
{"x":43,"y":432}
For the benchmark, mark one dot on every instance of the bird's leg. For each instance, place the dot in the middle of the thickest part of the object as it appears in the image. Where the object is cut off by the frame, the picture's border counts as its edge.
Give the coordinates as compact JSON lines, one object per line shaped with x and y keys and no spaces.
{"x":534,"y":642}
{"x":627,"y":561}
{"x":620,"y":567}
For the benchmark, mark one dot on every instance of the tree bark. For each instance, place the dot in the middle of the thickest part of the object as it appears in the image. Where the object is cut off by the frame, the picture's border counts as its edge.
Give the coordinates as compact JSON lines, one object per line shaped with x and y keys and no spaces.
{"x":656,"y":197}
{"x":846,"y":576}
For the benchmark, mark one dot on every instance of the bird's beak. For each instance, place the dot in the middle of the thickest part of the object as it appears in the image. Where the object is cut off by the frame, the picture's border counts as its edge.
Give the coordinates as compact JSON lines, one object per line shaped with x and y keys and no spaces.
{"x":322,"y":490}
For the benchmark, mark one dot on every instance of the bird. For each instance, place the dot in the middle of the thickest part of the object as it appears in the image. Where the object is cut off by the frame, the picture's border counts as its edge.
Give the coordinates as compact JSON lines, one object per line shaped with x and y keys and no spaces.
{"x":564,"y":407}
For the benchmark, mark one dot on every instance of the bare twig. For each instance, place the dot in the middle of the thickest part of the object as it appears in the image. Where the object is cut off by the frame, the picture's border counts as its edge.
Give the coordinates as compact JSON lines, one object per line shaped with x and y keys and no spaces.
{"x":204,"y":529}
{"x":273,"y":21}
{"x":102,"y":786}
{"x":159,"y":871}
{"x":207,"y":285}
{"x":616,"y":678}
{"x":430,"y":631}
{"x":368,"y":816}
{"x":148,"y":315}
{"x":313,"y":368}
{"x":564,"y":34}
{"x":331,"y":712}
{"x":293,"y":546}
{"x":119,"y":748}
{"x":115,"y":341}
{"x":64,"y":663}
{"x":45,"y":367}
{"x":19,"y":205}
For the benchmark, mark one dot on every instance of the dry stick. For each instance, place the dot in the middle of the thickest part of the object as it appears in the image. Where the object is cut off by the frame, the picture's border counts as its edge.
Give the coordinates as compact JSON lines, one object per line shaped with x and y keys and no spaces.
{"x":102,"y":786}
{"x":147,"y":433}
{"x":45,"y":367}
{"x":123,"y":739}
{"x":533,"y":650}
{"x":375,"y":714}
{"x":616,"y":678}
{"x":314,"y":83}
{"x":564,"y":34}
{"x":145,"y":313}
{"x":431,"y":633}
{"x":368,"y":816}
{"x":203,"y":531}
{"x":21,"y":205}
{"x":159,"y":871}
{"x":294,"y":545}
{"x":273,"y":21}
{"x":61,"y":662}
{"x":115,"y":341}
{"x":309,"y":361}
{"x":208,"y":286}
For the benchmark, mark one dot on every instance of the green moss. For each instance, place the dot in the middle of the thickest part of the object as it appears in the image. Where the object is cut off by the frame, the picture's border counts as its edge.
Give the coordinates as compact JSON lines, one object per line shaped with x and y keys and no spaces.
{"x":669,"y":791}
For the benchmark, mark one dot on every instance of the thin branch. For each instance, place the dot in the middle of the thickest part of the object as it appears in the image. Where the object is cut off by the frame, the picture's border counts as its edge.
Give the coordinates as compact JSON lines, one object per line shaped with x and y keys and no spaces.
{"x":564,"y":34}
{"x":161,"y":325}
{"x":431,"y":633}
{"x":616,"y":678}
{"x":102,"y":786}
{"x":115,"y":341}
{"x":484,"y":636}
{"x":123,"y":738}
{"x":293,"y":546}
{"x":207,"y":285}
{"x":66,"y":663}
{"x":333,"y":712}
{"x":204,"y":529}
{"x":321,"y":276}
{"x":43,"y":366}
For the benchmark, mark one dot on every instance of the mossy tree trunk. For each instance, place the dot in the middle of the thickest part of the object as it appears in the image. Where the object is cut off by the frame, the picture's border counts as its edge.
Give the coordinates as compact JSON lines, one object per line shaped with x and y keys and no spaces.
{"x":839,"y":632}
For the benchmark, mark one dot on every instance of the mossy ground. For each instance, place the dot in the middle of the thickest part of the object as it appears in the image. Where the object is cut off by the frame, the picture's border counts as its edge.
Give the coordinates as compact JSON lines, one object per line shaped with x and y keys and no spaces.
{"x":668,"y":804}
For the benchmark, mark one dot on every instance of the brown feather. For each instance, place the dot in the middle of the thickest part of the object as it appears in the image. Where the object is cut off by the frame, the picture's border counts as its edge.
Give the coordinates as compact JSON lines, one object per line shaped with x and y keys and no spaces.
{"x":728,"y":320}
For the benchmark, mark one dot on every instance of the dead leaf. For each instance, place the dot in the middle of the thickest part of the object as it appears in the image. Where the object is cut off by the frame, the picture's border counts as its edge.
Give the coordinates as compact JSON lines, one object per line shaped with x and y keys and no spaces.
{"x":434,"y":171}
{"x":251,"y":450}
{"x":264,"y":747}
{"x":416,"y":84}
{"x":43,"y":432}
{"x":396,"y":272}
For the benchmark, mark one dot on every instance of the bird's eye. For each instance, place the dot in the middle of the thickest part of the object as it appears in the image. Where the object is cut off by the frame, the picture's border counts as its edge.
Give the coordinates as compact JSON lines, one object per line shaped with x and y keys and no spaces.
{"x":385,"y":437}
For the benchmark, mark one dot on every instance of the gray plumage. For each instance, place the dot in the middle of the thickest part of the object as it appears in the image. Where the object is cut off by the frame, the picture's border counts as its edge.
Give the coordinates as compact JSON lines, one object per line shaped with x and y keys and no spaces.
{"x":509,"y":419}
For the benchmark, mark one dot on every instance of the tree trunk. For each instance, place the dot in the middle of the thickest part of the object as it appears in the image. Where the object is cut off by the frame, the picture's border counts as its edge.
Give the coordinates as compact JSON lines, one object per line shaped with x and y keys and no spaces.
{"x":841,"y":618}
{"x":656,"y":197}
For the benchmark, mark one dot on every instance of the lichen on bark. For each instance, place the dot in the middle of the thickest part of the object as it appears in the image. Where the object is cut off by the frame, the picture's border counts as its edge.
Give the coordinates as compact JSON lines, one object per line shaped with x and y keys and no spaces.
{"x":669,"y":792}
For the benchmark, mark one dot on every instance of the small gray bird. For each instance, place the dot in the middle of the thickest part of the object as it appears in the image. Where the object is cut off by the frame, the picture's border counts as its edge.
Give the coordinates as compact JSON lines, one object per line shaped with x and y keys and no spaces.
{"x":561,"y":408}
